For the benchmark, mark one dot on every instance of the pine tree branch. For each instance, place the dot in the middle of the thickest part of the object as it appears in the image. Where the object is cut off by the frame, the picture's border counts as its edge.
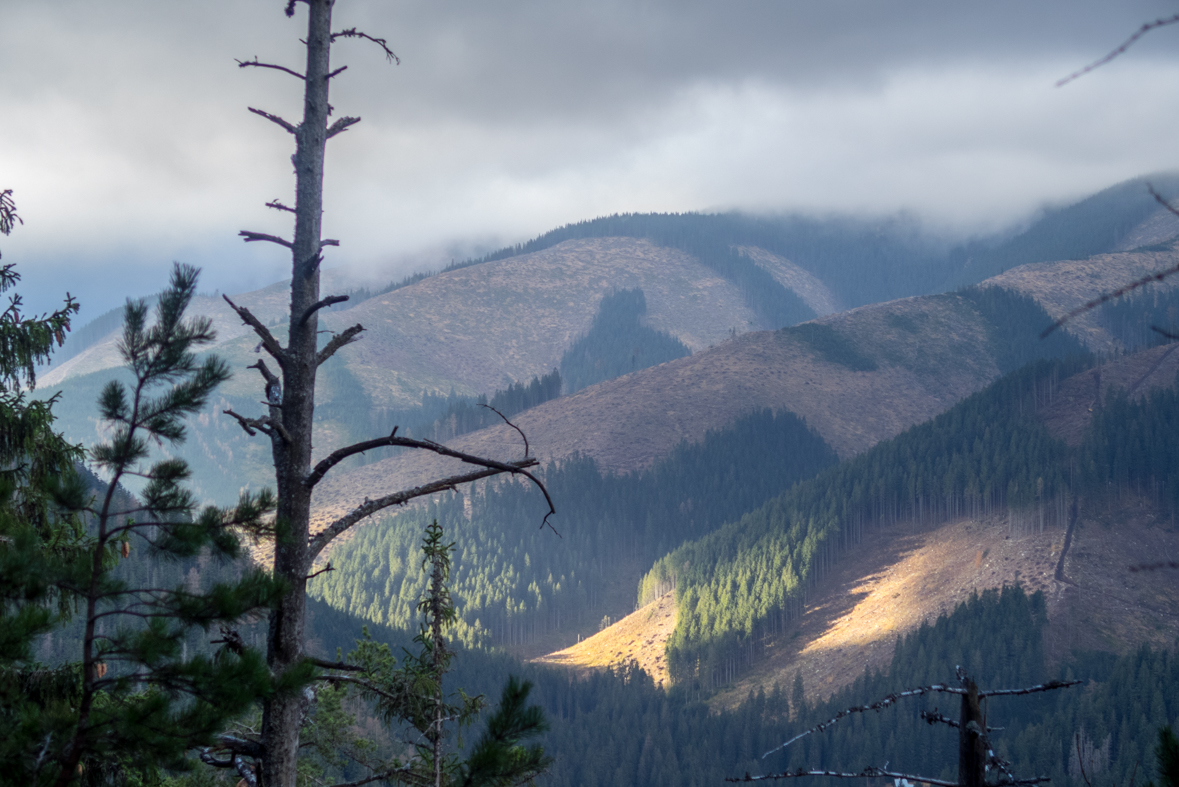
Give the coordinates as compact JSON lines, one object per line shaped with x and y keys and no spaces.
{"x":322,"y":304}
{"x":338,"y":341}
{"x":268,"y":341}
{"x":275,"y":119}
{"x":259,"y":64}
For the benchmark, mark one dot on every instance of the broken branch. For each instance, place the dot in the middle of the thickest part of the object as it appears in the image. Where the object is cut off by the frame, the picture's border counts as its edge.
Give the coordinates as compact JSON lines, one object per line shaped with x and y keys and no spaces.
{"x":275,"y":119}
{"x":274,"y":203}
{"x":268,"y":341}
{"x":338,"y":341}
{"x":322,"y":304}
{"x":341,"y":126}
{"x":251,"y":237}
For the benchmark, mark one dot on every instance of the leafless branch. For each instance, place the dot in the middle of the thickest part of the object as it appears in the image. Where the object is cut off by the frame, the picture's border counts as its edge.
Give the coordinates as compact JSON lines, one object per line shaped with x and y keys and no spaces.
{"x":452,"y":483}
{"x":248,"y":772}
{"x":509,"y":423}
{"x":274,"y":203}
{"x":275,"y":119}
{"x":341,"y":126}
{"x":260,"y":64}
{"x":324,"y":570}
{"x":516,"y":468}
{"x":1109,"y":296}
{"x":339,"y":340}
{"x":401,"y":772}
{"x":879,"y":705}
{"x":266,"y":425}
{"x":352,"y":32}
{"x":933,"y":717}
{"x":268,"y":341}
{"x":328,"y":242}
{"x":1051,"y":685}
{"x":1129,"y":42}
{"x":323,"y":304}
{"x":251,"y":425}
{"x":1081,"y":761}
{"x":870,"y":772}
{"x":267,"y":375}
{"x":338,"y":665}
{"x":337,"y":72}
{"x":251,"y":237}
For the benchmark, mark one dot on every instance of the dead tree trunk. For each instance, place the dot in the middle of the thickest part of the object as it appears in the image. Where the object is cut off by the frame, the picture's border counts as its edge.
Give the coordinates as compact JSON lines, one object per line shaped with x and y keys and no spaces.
{"x":972,"y":740}
{"x":290,"y":396}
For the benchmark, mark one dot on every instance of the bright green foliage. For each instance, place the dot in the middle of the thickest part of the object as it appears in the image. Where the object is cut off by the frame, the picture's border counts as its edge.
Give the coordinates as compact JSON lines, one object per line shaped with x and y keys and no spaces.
{"x":130,"y":700}
{"x":617,"y":343}
{"x":513,"y":583}
{"x":744,"y":583}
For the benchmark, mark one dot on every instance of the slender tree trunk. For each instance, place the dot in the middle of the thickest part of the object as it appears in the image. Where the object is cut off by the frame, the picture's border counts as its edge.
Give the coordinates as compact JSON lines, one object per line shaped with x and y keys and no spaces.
{"x":283,"y":715}
{"x":972,"y":745}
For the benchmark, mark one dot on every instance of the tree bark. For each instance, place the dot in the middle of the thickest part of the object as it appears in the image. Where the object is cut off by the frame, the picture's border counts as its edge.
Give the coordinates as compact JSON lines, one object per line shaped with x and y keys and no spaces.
{"x":972,"y":744}
{"x":283,"y":714}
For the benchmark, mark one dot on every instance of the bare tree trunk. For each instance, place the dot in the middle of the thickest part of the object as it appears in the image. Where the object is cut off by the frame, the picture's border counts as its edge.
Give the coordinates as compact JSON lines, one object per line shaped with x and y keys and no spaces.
{"x":283,"y":715}
{"x":972,"y":743}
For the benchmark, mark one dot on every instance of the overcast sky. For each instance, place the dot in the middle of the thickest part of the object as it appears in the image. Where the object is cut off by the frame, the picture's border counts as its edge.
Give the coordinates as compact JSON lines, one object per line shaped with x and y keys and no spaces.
{"x":125,"y":136}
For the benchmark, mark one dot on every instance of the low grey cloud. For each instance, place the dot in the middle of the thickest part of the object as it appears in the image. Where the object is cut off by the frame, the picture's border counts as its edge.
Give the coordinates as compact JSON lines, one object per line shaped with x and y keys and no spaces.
{"x":126,"y":138}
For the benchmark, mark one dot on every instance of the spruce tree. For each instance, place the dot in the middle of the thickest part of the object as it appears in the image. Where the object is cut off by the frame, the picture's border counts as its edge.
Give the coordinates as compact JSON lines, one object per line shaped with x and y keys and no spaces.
{"x":129,"y":700}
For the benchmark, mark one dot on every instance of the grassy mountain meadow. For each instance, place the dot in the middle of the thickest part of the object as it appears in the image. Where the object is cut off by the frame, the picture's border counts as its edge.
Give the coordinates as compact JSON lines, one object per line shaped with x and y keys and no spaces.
{"x":798,"y":463}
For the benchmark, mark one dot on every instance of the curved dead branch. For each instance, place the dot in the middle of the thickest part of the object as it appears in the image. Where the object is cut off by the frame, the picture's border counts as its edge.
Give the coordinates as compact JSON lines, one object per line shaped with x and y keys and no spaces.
{"x":509,"y":423}
{"x":1129,"y":42}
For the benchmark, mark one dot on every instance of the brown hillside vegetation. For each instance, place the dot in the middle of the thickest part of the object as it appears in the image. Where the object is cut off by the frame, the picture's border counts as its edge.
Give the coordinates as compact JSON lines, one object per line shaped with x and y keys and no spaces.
{"x":899,"y":578}
{"x":1072,"y":406}
{"x":629,"y":422}
{"x":639,"y":637}
{"x":1062,"y":286}
{"x":484,"y":327}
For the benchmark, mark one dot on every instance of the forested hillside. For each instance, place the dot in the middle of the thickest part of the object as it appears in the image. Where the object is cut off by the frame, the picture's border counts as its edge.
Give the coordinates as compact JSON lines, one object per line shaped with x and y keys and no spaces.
{"x":617,"y":728}
{"x":737,"y":588}
{"x":515,"y":583}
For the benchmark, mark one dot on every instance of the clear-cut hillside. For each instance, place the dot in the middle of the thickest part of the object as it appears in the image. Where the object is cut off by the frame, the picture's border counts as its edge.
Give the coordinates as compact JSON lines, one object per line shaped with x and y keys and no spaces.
{"x":486,"y":326}
{"x":932,"y":352}
{"x":1062,"y":286}
{"x":903,"y":576}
